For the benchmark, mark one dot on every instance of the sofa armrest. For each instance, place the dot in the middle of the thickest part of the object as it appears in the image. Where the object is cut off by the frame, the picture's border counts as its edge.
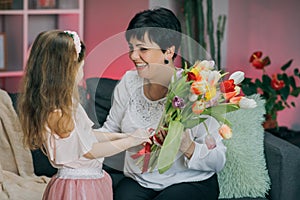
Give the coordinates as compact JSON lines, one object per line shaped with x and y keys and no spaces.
{"x":283,"y":163}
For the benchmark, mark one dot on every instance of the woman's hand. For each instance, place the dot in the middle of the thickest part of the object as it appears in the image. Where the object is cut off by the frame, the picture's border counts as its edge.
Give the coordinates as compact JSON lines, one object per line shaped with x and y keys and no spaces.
{"x":187,"y":144}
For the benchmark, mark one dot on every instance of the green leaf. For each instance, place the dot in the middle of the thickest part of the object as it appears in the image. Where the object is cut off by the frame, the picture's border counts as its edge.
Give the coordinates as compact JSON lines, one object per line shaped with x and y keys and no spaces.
{"x":285,"y":78}
{"x":221,"y":109}
{"x":296,"y":72}
{"x":266,"y":84}
{"x":170,"y":147}
{"x":247,"y":80}
{"x":270,"y":103}
{"x":293,"y":82}
{"x":284,"y":92}
{"x":220,"y":118}
{"x":266,"y":79}
{"x":248,"y":87}
{"x":296,"y":92}
{"x":279,"y":106}
{"x":286,"y":65}
{"x":190,"y":123}
{"x":258,"y":82}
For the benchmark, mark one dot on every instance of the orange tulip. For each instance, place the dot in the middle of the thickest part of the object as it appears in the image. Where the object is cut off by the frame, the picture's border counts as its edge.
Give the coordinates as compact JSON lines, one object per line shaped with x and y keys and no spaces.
{"x":198,"y":87}
{"x":198,"y":107}
{"x":225,"y":131}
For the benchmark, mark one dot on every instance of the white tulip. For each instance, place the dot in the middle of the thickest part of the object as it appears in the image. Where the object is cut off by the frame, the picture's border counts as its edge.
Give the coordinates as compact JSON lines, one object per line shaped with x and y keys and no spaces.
{"x":211,"y":64}
{"x":208,"y":65}
{"x":237,"y":76}
{"x":193,"y":97}
{"x":237,"y":90}
{"x":214,"y":77}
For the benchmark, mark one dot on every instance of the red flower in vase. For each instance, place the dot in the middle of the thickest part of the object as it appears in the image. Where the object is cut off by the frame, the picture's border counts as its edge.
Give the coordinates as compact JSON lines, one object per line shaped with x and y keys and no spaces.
{"x":257,"y":62}
{"x":277,"y":84}
{"x":275,"y":89}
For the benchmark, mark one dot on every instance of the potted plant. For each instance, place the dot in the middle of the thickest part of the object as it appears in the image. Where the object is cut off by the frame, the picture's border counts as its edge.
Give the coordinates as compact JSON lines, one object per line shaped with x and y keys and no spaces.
{"x":275,"y":88}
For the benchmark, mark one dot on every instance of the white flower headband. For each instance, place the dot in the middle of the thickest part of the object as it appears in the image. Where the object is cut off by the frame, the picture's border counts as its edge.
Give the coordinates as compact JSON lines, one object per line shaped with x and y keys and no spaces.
{"x":76,"y":40}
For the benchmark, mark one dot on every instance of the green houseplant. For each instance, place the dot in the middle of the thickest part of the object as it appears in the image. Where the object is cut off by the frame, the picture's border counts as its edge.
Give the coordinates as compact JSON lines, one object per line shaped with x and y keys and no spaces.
{"x":198,"y":23}
{"x":275,"y":89}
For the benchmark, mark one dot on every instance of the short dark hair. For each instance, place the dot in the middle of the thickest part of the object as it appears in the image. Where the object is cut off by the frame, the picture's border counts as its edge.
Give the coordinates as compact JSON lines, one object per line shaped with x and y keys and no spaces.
{"x":161,"y":25}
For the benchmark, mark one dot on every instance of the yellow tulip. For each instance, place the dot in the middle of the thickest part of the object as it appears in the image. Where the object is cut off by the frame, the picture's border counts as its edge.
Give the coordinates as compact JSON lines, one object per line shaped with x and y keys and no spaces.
{"x":210,"y":93}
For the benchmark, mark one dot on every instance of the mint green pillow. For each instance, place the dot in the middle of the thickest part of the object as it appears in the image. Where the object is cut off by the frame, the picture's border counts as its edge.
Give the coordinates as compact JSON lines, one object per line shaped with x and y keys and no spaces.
{"x":245,"y":173}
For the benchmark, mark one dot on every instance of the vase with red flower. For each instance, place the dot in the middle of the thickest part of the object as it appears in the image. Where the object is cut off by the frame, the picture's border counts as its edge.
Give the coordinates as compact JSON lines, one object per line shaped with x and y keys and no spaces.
{"x":274,"y":88}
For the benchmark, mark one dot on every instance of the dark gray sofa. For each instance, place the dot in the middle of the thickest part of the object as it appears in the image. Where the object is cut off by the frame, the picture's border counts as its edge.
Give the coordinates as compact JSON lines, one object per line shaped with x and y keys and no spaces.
{"x":282,"y":157}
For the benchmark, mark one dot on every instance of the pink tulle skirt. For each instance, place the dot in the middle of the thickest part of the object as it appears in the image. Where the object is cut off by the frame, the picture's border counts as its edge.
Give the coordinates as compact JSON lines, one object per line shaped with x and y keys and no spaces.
{"x":87,"y":186}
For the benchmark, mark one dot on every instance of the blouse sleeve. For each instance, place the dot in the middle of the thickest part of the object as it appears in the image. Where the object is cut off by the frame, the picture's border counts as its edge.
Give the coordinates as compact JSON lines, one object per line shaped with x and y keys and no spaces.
{"x":203,"y":158}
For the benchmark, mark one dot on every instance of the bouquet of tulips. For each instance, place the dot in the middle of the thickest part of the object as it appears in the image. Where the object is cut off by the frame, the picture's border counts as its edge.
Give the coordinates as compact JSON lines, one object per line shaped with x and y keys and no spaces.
{"x":194,"y":93}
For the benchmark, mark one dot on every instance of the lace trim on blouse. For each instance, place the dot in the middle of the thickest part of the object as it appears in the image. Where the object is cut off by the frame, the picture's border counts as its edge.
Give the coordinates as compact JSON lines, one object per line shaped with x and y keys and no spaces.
{"x":145,"y":111}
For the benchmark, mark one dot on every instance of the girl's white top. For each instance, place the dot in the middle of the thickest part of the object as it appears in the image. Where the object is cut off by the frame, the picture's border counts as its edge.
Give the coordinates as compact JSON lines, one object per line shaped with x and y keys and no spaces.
{"x":131,"y":109}
{"x":68,"y":152}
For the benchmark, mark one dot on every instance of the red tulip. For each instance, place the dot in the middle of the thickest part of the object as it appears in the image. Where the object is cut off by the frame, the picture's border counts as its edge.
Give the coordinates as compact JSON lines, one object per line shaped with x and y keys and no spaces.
{"x":191,"y":76}
{"x":277,"y":84}
{"x":227,"y":86}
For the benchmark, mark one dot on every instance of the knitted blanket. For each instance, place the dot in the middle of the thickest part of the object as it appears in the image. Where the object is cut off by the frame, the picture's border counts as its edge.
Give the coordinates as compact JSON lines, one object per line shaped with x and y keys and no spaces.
{"x":17,"y":178}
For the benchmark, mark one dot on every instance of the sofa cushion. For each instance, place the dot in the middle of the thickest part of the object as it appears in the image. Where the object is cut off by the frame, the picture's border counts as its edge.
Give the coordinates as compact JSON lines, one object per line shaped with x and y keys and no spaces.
{"x":245,"y":173}
{"x":100,"y":91}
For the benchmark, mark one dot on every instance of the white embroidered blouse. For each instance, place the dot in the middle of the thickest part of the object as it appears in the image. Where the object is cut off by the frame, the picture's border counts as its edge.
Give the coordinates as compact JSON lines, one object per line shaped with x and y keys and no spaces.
{"x":131,"y":109}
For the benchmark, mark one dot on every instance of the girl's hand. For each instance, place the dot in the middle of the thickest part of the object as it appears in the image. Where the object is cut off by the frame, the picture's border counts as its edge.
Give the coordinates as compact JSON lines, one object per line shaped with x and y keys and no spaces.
{"x":140,"y":136}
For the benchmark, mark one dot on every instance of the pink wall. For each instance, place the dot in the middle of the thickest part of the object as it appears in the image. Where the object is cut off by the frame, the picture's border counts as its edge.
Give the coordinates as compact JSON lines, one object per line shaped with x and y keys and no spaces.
{"x":104,"y":26}
{"x":271,"y":26}
{"x":267,"y":25}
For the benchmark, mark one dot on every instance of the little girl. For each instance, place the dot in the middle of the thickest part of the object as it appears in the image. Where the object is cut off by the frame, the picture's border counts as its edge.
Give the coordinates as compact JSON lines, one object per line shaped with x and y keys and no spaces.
{"x":53,"y":119}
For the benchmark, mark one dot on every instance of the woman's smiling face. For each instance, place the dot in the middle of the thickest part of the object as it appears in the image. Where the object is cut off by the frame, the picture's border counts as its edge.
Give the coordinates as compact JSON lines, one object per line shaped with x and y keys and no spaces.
{"x":147,"y":57}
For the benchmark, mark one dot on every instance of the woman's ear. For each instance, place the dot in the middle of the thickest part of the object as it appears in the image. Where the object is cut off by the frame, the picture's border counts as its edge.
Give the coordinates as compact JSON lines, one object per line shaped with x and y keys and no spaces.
{"x":170,"y":53}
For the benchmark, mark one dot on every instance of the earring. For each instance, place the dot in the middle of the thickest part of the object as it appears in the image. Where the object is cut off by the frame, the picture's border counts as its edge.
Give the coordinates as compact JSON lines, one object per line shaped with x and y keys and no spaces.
{"x":166,"y":61}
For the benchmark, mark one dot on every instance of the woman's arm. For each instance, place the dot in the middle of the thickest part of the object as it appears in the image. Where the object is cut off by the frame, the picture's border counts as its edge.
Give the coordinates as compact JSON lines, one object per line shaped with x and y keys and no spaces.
{"x":197,"y":155}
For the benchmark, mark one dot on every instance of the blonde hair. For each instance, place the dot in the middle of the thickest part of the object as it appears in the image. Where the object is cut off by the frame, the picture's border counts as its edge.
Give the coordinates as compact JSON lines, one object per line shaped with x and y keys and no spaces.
{"x":48,"y":84}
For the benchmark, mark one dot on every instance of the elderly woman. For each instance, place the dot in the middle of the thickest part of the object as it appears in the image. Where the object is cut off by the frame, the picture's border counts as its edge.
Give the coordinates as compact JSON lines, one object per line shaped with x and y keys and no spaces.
{"x":154,"y":37}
